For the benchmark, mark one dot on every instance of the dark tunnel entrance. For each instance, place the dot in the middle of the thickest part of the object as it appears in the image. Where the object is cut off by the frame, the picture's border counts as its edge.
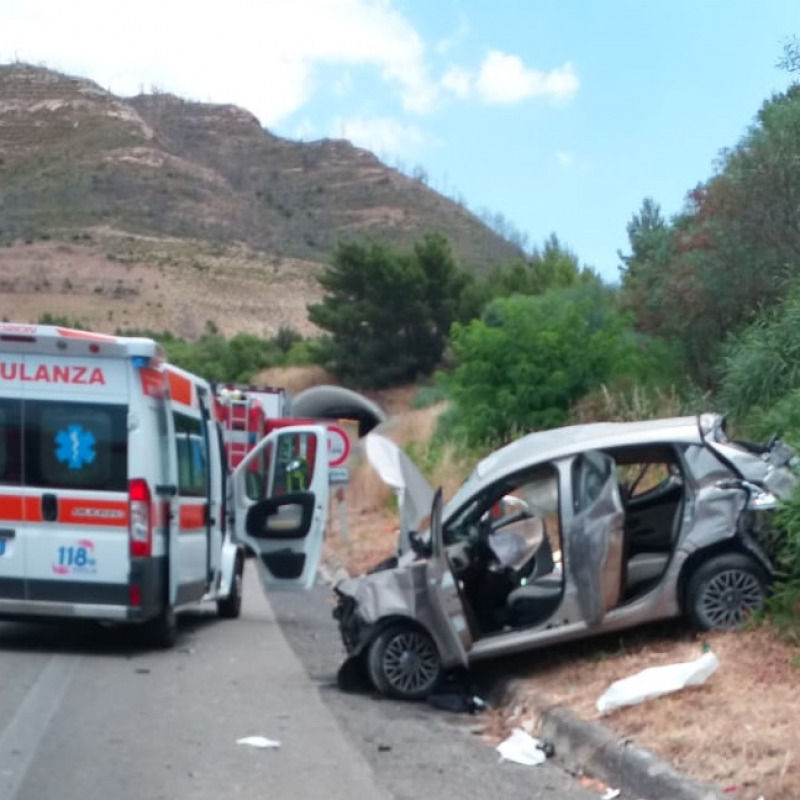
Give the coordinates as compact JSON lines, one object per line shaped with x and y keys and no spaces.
{"x":336,"y":402}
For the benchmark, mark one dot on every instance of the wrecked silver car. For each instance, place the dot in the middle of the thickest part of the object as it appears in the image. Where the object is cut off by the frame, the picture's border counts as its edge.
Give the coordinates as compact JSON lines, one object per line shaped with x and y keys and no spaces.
{"x":563,"y":534}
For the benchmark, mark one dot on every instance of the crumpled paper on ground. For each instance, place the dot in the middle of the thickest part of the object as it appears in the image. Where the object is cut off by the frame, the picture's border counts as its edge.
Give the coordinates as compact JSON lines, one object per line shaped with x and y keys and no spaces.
{"x":259,"y":741}
{"x":522,"y":748}
{"x":656,"y":681}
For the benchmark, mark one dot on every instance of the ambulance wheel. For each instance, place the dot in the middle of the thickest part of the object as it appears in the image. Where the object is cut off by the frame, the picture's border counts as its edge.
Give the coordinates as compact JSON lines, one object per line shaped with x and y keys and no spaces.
{"x":162,"y":632}
{"x":403,"y":662}
{"x":230,"y":606}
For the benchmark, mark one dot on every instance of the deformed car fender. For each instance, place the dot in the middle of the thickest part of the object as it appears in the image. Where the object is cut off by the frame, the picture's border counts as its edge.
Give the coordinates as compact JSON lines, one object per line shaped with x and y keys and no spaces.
{"x":382,"y":598}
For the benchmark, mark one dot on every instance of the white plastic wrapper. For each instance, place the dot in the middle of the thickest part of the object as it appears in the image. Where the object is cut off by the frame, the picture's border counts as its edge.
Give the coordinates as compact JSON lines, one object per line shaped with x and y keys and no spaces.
{"x":522,"y":748}
{"x":259,"y":741}
{"x":655,"y":681}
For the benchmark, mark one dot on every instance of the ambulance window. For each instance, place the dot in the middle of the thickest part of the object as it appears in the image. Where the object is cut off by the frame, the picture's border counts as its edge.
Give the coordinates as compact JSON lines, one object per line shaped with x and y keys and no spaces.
{"x":294,"y":463}
{"x":10,"y":442}
{"x":258,"y":474}
{"x":192,"y":458}
{"x":76,"y":445}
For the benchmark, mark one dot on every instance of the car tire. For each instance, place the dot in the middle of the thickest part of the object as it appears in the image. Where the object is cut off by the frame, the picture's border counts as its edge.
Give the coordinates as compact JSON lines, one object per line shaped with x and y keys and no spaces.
{"x":724,"y":591}
{"x":162,"y":632}
{"x":230,"y":606}
{"x":403,"y":662}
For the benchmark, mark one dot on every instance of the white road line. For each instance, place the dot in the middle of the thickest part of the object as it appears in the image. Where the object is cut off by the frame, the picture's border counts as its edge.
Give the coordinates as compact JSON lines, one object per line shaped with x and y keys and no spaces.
{"x":20,"y":738}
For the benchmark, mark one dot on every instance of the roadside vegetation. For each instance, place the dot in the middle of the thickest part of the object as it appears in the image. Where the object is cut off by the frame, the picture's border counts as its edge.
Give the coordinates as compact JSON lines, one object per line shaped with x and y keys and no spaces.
{"x":704,"y":317}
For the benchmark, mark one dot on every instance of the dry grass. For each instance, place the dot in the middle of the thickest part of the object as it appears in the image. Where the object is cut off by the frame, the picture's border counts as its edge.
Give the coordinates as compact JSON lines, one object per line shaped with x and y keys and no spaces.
{"x":119,"y":281}
{"x":738,"y":730}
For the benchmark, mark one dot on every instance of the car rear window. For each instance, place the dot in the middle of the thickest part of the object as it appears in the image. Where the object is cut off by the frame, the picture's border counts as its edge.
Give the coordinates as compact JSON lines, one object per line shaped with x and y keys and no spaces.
{"x":58,"y":445}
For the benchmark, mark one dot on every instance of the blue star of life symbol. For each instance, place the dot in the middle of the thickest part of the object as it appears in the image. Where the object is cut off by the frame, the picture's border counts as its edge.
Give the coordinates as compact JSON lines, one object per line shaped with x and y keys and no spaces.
{"x":75,"y":446}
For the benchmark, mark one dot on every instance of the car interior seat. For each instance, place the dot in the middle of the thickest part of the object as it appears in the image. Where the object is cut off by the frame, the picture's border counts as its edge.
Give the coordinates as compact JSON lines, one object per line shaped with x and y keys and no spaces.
{"x":539,"y":595}
{"x":645,"y":568}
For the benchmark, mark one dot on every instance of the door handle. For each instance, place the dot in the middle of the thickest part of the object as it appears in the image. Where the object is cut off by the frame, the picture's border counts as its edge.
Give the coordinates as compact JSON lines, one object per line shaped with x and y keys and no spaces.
{"x":49,"y":507}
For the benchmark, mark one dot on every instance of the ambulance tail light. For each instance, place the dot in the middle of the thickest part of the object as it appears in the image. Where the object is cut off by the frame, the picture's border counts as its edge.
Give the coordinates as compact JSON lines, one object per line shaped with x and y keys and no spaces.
{"x":140,"y":518}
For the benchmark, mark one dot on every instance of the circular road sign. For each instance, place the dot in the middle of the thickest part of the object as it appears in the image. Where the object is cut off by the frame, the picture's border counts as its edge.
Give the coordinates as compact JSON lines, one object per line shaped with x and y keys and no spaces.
{"x":338,"y":445}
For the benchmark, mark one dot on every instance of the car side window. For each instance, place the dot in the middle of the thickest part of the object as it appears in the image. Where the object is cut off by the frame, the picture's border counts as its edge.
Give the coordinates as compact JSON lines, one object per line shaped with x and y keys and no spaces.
{"x":590,"y":473}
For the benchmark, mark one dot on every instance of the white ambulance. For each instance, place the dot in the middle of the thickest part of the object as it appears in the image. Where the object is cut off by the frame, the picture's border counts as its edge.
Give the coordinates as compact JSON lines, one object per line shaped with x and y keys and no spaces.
{"x":116,"y":503}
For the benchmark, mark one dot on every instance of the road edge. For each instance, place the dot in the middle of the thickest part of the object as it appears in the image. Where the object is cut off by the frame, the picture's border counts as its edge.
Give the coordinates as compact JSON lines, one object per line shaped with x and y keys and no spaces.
{"x":584,"y":747}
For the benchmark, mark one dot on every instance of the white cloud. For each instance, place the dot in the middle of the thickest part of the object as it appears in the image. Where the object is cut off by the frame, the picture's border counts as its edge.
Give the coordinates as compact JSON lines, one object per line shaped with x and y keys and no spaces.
{"x":458,"y":81}
{"x":504,"y":79}
{"x":383,"y":135}
{"x":260,"y":55}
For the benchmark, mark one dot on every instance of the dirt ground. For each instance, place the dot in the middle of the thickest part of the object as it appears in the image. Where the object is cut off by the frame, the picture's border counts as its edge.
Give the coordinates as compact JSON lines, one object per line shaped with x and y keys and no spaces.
{"x":739,"y":730}
{"x":113,"y":280}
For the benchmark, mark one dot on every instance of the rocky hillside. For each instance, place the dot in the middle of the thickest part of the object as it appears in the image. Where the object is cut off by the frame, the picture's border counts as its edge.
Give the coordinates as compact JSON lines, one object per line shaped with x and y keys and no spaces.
{"x":155,"y":210}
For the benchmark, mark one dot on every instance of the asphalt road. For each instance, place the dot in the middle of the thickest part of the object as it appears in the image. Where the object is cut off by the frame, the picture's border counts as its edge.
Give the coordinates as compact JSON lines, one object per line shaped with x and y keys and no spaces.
{"x":413,"y":749}
{"x":92,"y":714}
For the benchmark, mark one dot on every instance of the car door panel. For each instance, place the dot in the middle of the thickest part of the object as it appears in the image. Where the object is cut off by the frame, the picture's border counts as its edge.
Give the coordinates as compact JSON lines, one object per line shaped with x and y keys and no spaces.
{"x":453,"y":630}
{"x":279,"y":497}
{"x":595,"y":536}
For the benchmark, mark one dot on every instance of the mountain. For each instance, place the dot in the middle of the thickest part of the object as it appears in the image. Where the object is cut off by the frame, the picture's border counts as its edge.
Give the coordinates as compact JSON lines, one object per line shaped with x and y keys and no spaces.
{"x":160,"y":212}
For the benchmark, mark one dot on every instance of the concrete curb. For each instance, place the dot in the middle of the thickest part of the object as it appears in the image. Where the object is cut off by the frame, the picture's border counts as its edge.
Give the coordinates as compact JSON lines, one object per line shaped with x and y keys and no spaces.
{"x":590,"y":748}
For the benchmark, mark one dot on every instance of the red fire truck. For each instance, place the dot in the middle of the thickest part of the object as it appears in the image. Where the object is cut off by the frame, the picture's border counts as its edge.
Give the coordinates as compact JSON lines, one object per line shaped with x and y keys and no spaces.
{"x":249,"y":413}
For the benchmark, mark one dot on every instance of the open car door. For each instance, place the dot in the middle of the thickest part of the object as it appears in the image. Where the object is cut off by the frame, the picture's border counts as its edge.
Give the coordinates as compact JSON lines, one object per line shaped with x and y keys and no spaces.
{"x":279,"y":500}
{"x":444,"y":593}
{"x":595,"y":535}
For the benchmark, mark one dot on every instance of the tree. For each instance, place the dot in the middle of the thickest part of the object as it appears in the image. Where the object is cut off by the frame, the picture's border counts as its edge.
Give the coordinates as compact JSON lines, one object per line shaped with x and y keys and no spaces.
{"x":388,"y":313}
{"x":733,"y":250}
{"x":552,"y":267}
{"x":790,"y":60}
{"x":530,"y":358}
{"x":557,"y":267}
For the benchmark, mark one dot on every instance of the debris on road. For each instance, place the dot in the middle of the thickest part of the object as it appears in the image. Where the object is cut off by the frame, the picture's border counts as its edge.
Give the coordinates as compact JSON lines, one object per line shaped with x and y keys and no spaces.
{"x":657,"y":681}
{"x":260,"y":742}
{"x":457,"y":701}
{"x":522,"y":748}
{"x":596,"y":785}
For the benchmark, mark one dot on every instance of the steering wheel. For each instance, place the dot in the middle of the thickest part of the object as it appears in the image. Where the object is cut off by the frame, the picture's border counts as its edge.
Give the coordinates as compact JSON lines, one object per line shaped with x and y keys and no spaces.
{"x":510,"y":519}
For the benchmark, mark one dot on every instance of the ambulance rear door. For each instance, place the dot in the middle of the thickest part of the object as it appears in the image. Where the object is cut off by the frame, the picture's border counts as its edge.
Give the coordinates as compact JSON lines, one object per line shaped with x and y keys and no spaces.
{"x":71,"y":511}
{"x":279,"y":504}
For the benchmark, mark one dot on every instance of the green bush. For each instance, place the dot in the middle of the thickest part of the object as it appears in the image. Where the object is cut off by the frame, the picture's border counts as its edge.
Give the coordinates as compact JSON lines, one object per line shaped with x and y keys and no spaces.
{"x":783,"y":606}
{"x":430,"y":395}
{"x":762,"y":364}
{"x":529,"y":359}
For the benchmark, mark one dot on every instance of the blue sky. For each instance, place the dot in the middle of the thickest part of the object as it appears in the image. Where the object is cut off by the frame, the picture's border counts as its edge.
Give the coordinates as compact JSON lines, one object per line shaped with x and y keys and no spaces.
{"x":560,"y":115}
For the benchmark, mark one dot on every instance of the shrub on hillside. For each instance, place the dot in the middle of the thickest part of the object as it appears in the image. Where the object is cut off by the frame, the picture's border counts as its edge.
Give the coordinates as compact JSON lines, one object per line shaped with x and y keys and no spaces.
{"x":783,"y":606}
{"x":529,"y":359}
